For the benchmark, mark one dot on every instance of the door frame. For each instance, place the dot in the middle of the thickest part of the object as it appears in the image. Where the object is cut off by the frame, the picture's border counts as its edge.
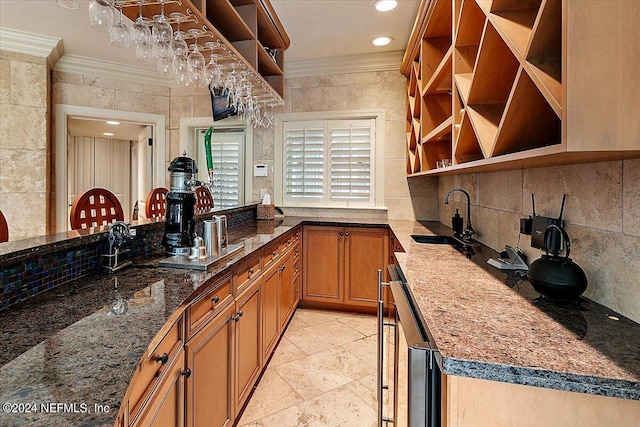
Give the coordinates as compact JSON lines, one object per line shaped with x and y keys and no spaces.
{"x":63,"y":112}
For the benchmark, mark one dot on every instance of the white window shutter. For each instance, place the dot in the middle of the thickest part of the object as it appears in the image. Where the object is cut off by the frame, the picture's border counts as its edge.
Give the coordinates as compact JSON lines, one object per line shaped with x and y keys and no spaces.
{"x":304,"y":161}
{"x":226,"y":176}
{"x":350,"y":166}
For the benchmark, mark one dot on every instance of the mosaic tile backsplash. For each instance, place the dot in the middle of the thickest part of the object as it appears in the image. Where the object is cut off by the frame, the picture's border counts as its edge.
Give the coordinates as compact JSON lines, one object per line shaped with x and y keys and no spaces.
{"x":45,"y":270}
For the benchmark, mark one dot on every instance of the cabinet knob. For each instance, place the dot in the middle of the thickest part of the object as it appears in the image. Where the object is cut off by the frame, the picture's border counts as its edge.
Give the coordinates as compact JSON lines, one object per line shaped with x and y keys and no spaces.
{"x":238,"y":316}
{"x":162,"y":359}
{"x":341,"y":234}
{"x":274,"y":254}
{"x":186,"y":373}
{"x":346,"y":234}
{"x":250,"y":271}
{"x":282,"y":268}
{"x":289,"y":242}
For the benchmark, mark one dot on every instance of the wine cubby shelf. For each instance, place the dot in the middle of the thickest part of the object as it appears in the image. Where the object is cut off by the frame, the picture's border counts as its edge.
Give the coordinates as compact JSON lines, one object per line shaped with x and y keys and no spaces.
{"x":490,"y":88}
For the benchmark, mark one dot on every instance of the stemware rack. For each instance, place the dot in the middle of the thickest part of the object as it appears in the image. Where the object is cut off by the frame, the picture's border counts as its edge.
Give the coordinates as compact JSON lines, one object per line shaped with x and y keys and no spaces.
{"x":240,"y":29}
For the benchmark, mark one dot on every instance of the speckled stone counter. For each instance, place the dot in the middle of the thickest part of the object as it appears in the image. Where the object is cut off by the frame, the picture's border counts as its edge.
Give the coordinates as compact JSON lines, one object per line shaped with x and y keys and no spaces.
{"x":487,"y":329}
{"x":70,"y":346}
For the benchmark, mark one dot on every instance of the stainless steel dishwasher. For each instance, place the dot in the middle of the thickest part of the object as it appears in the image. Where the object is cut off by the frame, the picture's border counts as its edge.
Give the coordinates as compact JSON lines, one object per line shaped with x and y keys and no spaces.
{"x":413,"y":355}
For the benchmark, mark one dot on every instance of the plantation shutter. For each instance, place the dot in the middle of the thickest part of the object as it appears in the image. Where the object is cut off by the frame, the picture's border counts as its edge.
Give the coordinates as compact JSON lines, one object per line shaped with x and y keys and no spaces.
{"x":350,"y":165}
{"x":304,"y":161}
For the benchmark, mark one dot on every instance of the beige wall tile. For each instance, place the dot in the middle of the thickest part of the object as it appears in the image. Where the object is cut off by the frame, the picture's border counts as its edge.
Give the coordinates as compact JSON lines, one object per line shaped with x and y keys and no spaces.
{"x":5,"y":81}
{"x":347,"y":79}
{"x":263,"y":147}
{"x":133,"y":101}
{"x":500,"y":190}
{"x":84,"y":96}
{"x":28,"y":84}
{"x":202,"y":106}
{"x":23,"y":57}
{"x":157,"y":90}
{"x":395,"y":141}
{"x":23,"y":127}
{"x":301,"y":212}
{"x":594,"y":193}
{"x":390,"y":77}
{"x":319,"y":99}
{"x":110,"y":83}
{"x":395,"y":184}
{"x":14,"y":206}
{"x":181,"y":106}
{"x":404,"y":208}
{"x":631,"y":197}
{"x":301,"y":82}
{"x":387,"y":96}
{"x":423,"y":186}
{"x":65,"y":77}
{"x":23,"y":171}
{"x":346,"y":213}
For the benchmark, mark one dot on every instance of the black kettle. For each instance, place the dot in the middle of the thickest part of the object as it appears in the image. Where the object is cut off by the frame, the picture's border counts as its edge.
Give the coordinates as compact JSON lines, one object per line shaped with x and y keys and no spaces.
{"x":557,"y":277}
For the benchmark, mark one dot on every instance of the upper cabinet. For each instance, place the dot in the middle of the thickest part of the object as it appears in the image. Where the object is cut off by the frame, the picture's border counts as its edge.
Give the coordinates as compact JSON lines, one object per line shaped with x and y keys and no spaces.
{"x":497,"y":84}
{"x":249,"y":29}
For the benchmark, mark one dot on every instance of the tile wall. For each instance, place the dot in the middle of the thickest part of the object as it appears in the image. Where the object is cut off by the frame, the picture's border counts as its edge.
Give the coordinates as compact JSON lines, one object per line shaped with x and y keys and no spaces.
{"x":602,"y":214}
{"x":24,"y":89}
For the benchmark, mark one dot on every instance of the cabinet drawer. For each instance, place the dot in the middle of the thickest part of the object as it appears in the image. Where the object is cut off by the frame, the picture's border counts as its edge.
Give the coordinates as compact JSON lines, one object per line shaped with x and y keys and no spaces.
{"x":287,"y":243}
{"x":296,"y":266}
{"x":211,"y":303}
{"x":246,"y":273}
{"x":271,"y":254}
{"x":152,"y":368}
{"x":297,"y":250}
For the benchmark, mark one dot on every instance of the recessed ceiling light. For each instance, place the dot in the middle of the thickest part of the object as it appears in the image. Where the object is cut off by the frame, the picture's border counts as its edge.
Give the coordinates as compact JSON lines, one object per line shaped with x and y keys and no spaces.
{"x":385,"y":5}
{"x":381,"y":41}
{"x":107,"y":133}
{"x":112,"y":122}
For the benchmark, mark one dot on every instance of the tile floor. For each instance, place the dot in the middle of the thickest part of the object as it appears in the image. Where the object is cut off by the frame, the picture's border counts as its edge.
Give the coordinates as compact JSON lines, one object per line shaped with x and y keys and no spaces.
{"x":323,"y":373}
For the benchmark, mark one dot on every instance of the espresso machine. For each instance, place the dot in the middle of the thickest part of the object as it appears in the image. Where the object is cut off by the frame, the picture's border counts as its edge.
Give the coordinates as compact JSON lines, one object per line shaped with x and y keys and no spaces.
{"x":179,"y":228}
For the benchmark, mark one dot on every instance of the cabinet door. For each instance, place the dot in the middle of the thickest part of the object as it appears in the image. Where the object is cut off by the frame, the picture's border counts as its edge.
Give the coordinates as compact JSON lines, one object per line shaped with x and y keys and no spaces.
{"x":166,"y":408}
{"x":366,"y":251}
{"x":322,"y":269}
{"x":270,"y":311}
{"x":248,"y":349}
{"x":284,"y":291}
{"x":210,"y":359}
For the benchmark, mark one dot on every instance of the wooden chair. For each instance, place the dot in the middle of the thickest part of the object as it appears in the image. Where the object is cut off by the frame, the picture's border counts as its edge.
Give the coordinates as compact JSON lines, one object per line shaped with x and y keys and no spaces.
{"x":204,"y":200}
{"x":156,"y":205}
{"x":4,"y":229}
{"x":95,"y":207}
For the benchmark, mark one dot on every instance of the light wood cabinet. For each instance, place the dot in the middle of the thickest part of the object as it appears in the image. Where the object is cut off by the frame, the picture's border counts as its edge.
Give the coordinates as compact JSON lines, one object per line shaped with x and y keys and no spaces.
{"x":248,"y":342}
{"x":209,"y":389}
{"x":501,"y":84}
{"x":166,"y":409}
{"x":270,"y":310}
{"x":285,"y":285}
{"x":340,"y":264}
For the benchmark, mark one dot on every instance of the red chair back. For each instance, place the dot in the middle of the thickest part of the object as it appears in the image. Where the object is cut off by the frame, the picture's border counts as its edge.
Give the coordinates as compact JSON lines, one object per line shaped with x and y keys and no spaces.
{"x":204,"y":200}
{"x":156,"y":205}
{"x":95,"y":207}
{"x":4,"y":229}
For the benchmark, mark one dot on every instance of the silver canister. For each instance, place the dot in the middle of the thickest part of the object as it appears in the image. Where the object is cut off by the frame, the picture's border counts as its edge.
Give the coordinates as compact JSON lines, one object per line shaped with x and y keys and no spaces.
{"x":221,"y":224}
{"x":210,"y":237}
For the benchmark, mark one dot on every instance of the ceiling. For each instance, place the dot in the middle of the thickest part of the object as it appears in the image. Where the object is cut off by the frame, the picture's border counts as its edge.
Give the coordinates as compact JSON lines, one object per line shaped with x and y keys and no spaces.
{"x":318,"y":29}
{"x":96,"y":128}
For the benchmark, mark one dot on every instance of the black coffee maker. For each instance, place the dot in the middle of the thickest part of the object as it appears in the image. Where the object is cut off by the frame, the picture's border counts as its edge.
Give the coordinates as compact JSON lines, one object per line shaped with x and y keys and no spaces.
{"x":179,"y":228}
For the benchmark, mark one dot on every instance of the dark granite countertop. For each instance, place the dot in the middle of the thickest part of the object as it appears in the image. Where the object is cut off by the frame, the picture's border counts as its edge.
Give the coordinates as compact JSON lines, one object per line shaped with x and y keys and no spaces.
{"x":69,"y":346}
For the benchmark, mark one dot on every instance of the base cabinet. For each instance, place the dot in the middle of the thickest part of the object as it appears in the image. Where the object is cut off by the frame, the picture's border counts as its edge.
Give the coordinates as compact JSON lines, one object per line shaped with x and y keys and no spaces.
{"x":167,"y":407}
{"x":465,"y":403}
{"x":340,"y":264}
{"x":209,"y":389}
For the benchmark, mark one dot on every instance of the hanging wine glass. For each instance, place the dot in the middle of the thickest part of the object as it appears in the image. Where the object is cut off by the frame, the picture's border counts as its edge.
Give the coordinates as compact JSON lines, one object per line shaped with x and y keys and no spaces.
{"x":165,"y":66}
{"x":212,"y":71}
{"x":162,"y":34}
{"x":178,"y":45}
{"x":101,"y":15}
{"x":119,"y":33}
{"x":196,"y":61}
{"x":140,"y":32}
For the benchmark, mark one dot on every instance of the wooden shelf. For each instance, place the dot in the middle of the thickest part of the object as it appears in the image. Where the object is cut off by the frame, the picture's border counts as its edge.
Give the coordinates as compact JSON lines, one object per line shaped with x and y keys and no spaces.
{"x":440,"y":81}
{"x":544,"y":56}
{"x":529,"y":121}
{"x":517,"y":27}
{"x":470,"y":24}
{"x":463,"y":82}
{"x":495,"y":70}
{"x":485,"y":119}
{"x":434,"y":151}
{"x":439,"y":133}
{"x":433,"y":52}
{"x":467,"y":148}
{"x":436,"y":109}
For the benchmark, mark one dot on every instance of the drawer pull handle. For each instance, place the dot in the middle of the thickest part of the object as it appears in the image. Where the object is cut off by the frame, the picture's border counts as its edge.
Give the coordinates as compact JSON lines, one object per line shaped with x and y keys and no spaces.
{"x":282,"y":268}
{"x":238,"y":316}
{"x":186,"y":373}
{"x":162,"y":359}
{"x":215,"y":299}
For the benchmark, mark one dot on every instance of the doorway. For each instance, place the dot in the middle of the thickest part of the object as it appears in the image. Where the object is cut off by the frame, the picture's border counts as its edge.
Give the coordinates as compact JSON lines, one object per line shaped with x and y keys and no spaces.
{"x":97,"y":160}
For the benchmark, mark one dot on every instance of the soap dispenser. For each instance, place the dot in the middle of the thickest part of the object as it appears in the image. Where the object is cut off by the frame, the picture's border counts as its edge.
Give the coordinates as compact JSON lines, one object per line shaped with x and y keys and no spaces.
{"x":457,"y":222}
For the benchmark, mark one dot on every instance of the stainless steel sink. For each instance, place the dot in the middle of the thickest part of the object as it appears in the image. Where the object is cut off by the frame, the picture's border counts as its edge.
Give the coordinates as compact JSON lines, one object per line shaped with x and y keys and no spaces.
{"x":434,"y":239}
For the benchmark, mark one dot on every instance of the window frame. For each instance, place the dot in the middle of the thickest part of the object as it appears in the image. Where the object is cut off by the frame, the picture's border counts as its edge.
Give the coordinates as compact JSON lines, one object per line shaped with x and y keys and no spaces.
{"x":377,"y":159}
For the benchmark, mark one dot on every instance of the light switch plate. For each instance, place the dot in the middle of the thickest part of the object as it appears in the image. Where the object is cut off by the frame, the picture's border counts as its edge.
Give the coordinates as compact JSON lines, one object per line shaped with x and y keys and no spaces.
{"x":260,"y":169}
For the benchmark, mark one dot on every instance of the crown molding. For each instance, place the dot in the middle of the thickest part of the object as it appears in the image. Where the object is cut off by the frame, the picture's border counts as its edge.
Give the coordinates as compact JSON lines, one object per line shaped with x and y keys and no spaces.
{"x":31,"y":44}
{"x":97,"y":67}
{"x":384,"y":61}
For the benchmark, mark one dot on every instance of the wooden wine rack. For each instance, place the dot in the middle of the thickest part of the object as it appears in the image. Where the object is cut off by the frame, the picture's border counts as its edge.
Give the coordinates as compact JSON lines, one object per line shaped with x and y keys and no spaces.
{"x":485,"y":87}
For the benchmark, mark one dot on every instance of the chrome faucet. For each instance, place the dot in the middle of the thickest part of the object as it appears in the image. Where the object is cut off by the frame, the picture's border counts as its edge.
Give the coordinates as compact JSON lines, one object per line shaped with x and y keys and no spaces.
{"x":119,"y":231}
{"x":468,"y":231}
